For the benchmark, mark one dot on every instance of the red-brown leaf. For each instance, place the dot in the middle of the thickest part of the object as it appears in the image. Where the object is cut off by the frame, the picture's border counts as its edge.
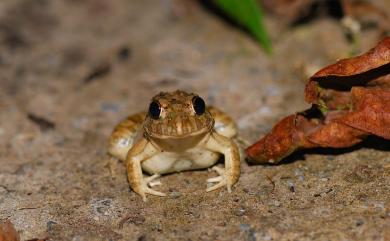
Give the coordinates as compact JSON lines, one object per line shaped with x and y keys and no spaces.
{"x":352,"y":97}
{"x":372,"y":111}
{"x":8,"y":232}
{"x":347,"y":73}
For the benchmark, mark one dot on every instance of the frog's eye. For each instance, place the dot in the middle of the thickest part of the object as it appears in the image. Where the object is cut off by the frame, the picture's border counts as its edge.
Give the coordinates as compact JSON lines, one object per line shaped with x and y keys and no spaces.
{"x":154,"y":110}
{"x":199,"y":105}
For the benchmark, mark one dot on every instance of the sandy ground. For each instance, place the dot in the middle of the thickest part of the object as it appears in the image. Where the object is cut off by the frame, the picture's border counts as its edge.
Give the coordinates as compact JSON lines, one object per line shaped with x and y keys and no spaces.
{"x":84,"y":65}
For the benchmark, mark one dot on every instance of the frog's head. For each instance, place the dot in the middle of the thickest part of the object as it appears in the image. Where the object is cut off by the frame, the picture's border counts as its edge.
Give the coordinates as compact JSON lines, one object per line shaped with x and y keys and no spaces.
{"x":177,"y":114}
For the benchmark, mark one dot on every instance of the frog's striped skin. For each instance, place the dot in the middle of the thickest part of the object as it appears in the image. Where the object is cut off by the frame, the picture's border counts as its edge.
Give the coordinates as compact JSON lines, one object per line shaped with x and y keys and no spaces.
{"x":178,"y":139}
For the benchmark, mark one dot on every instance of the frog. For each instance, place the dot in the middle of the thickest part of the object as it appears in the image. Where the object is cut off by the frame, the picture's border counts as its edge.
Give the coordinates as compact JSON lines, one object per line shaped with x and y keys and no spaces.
{"x":178,"y":133}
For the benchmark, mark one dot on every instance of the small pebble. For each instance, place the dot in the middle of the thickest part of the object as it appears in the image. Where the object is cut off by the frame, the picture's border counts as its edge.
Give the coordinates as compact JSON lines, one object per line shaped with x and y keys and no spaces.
{"x":175,"y":194}
{"x":299,"y":173}
{"x":50,"y":224}
{"x":266,"y":237}
{"x":244,"y":227}
{"x":292,"y":189}
{"x":142,"y":238}
{"x":291,"y":186}
{"x":240,"y":212}
{"x":124,"y":53}
{"x":109,"y":107}
{"x":249,"y":232}
{"x":359,"y":222}
{"x":330,"y":158}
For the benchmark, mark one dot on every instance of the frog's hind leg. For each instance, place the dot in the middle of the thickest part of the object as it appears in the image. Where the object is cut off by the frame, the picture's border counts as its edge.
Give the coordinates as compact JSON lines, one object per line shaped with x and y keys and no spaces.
{"x":124,"y":135}
{"x":224,"y":125}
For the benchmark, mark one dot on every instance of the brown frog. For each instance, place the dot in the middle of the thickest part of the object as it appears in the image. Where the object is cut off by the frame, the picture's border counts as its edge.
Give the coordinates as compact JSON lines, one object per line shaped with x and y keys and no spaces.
{"x":178,"y":133}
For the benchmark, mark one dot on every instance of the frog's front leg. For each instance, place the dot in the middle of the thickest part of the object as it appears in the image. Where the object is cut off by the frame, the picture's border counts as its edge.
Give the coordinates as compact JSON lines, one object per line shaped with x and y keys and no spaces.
{"x":140,"y":152}
{"x":228,"y":176}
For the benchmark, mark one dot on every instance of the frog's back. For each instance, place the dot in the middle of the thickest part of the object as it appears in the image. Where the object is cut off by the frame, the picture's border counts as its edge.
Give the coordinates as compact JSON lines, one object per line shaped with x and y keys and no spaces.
{"x":125,"y":134}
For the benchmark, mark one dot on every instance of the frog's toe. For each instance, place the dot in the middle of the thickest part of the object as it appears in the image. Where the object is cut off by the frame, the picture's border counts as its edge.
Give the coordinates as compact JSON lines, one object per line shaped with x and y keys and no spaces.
{"x":143,"y":195}
{"x":153,"y":192}
{"x":219,"y":170}
{"x":155,"y":183}
{"x":151,"y":181}
{"x":146,"y":190}
{"x":215,"y":179}
{"x":146,"y":187}
{"x":220,"y":184}
{"x":221,"y":180}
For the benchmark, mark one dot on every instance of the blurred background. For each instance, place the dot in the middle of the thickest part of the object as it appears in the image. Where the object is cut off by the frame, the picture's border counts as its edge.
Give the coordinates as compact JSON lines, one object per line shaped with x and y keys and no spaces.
{"x":71,"y":69}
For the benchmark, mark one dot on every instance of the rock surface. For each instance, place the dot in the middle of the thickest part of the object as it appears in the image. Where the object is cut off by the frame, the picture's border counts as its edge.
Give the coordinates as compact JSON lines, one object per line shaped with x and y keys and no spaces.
{"x":70,"y":70}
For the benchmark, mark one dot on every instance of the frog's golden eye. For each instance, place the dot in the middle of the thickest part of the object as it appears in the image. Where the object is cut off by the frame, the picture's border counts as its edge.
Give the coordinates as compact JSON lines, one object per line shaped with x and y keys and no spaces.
{"x":154,"y":110}
{"x":199,"y":105}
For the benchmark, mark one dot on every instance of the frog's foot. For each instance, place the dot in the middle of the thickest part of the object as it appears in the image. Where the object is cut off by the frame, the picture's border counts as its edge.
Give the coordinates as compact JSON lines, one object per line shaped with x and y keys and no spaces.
{"x":150,"y":182}
{"x":221,"y":180}
{"x":145,"y":189}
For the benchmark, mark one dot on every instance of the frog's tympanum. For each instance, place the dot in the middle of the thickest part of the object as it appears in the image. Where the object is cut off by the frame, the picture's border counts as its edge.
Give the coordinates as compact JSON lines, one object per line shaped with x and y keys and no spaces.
{"x":178,"y":133}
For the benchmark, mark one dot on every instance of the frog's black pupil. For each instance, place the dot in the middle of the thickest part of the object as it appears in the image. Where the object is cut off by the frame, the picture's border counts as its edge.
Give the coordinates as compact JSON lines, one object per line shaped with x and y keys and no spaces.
{"x":154,"y":110}
{"x":199,"y":105}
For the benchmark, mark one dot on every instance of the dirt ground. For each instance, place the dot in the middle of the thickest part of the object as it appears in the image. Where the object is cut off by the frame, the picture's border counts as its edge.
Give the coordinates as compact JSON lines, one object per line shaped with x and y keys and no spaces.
{"x":71,"y":69}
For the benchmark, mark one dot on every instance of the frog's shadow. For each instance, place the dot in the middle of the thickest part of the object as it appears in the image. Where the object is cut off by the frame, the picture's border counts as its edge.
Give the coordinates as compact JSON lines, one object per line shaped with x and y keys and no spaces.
{"x":371,"y":142}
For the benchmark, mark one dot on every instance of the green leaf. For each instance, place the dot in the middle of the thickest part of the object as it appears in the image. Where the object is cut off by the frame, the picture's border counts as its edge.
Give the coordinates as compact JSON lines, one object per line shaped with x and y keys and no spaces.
{"x":248,"y":14}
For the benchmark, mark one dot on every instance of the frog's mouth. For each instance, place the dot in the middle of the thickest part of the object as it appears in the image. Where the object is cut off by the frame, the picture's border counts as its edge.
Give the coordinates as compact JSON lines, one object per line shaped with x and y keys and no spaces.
{"x":178,"y":127}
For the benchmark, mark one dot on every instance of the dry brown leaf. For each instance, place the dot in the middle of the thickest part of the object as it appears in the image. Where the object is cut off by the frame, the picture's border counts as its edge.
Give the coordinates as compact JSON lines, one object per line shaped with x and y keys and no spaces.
{"x":8,"y":232}
{"x":350,"y":101}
